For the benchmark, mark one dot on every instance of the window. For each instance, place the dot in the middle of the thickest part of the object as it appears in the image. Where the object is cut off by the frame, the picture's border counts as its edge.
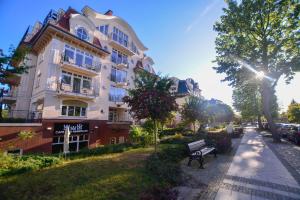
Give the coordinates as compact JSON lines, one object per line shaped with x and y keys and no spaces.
{"x":78,"y":57}
{"x":73,"y":108}
{"x":118,"y":75}
{"x":88,"y":61}
{"x":38,"y":80}
{"x":64,"y":110}
{"x":117,"y":57}
{"x":121,"y":139}
{"x":133,"y":48}
{"x":103,"y":29}
{"x":86,"y":84}
{"x":66,"y":78}
{"x":116,"y":94}
{"x":83,"y":111}
{"x":113,"y":140}
{"x":120,"y":37}
{"x":82,"y":34}
{"x":71,"y":111}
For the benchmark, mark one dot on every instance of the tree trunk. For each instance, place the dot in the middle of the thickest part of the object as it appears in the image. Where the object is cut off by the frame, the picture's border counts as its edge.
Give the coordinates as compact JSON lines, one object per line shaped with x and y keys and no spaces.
{"x":266,"y":94}
{"x":260,"y":126}
{"x":155,"y":136}
{"x":194,"y":127}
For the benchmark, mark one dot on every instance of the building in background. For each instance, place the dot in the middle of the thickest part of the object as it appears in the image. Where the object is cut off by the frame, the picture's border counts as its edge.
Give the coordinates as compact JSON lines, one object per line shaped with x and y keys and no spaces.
{"x":183,"y":89}
{"x":81,"y":65}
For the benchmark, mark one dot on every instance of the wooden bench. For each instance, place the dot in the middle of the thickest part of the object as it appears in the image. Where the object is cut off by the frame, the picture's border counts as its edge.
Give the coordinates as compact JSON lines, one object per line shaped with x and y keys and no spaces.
{"x":199,"y":149}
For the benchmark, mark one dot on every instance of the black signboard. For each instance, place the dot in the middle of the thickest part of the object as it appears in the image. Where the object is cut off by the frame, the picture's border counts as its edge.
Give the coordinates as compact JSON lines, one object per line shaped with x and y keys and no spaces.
{"x":75,"y":128}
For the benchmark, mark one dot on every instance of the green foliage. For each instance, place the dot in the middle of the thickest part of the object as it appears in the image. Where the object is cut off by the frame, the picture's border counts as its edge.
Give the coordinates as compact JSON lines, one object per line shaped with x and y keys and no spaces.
{"x":172,"y":131}
{"x":107,"y":149}
{"x":218,"y":111}
{"x":12,"y":120}
{"x":10,"y":165}
{"x":194,"y":111}
{"x":26,"y":135}
{"x":220,"y":139}
{"x":164,"y":164}
{"x":259,"y":36}
{"x":293,"y":112}
{"x":151,"y":99}
{"x":140,"y":135}
{"x":247,"y":100}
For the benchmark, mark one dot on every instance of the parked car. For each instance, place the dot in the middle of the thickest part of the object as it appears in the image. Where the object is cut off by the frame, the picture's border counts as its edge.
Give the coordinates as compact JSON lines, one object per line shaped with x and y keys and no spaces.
{"x":294,"y":133}
{"x":284,"y":129}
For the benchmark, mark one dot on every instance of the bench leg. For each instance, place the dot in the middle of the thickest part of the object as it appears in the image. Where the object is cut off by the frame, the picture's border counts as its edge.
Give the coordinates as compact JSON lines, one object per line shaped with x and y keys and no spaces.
{"x":190,"y":161}
{"x":200,"y":160}
{"x":215,"y":153}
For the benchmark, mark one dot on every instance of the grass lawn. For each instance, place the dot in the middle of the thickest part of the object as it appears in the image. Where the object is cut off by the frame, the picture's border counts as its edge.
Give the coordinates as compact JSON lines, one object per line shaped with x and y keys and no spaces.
{"x":112,"y":176}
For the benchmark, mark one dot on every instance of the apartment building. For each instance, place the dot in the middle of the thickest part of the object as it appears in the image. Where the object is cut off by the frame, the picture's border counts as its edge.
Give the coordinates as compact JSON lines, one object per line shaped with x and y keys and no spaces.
{"x":183,"y":89}
{"x":81,"y":66}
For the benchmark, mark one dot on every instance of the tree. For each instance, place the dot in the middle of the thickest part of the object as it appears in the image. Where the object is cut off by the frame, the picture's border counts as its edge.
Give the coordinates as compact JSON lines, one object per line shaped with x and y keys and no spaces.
{"x":151,"y":99}
{"x":218,"y":111}
{"x":193,"y":111}
{"x":293,"y":112}
{"x":259,"y":37}
{"x":9,"y":69}
{"x":247,"y":101}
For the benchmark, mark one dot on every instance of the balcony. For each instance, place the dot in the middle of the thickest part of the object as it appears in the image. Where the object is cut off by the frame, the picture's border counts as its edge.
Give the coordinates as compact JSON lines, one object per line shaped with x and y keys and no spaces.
{"x":66,"y":90}
{"x":114,"y":42}
{"x":119,"y":81}
{"x":71,"y":65}
{"x":9,"y":96}
{"x":119,"y":118}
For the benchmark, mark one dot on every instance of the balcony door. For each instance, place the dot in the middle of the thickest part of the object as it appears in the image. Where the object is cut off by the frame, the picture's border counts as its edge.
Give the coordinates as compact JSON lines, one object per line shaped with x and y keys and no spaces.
{"x":76,"y":85}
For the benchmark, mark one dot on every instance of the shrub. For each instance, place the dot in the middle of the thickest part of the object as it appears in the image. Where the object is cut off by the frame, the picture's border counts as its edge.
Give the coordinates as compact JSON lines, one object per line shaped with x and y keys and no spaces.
{"x":141,"y":136}
{"x":220,"y":139}
{"x":171,"y":131}
{"x":159,"y":193}
{"x":25,"y":135}
{"x":10,"y":164}
{"x":115,"y":148}
{"x":164,"y":164}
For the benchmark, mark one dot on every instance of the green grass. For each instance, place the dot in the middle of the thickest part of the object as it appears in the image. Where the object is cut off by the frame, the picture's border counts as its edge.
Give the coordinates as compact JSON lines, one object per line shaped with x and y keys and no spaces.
{"x":111,"y":176}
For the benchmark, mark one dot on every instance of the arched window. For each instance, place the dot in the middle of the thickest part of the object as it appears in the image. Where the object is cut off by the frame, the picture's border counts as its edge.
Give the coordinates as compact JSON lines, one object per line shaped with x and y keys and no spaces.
{"x":82,"y":33}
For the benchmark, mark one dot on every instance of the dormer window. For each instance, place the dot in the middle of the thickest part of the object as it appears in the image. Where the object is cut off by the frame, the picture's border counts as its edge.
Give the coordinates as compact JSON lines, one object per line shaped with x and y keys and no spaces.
{"x":82,"y":33}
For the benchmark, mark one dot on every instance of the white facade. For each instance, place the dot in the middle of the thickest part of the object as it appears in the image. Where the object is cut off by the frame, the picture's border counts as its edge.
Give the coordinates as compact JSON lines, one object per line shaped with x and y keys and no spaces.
{"x":70,"y":78}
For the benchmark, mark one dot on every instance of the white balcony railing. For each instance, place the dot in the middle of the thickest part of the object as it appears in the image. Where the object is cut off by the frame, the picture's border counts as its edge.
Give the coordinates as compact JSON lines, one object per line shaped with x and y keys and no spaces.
{"x":92,"y":65}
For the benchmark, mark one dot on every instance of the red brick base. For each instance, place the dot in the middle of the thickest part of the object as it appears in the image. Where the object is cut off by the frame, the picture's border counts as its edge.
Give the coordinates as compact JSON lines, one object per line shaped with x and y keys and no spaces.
{"x":100,"y":133}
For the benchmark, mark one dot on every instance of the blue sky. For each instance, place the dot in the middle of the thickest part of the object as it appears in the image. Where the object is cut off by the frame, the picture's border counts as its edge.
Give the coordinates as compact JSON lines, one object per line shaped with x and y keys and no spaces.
{"x":179,"y":35}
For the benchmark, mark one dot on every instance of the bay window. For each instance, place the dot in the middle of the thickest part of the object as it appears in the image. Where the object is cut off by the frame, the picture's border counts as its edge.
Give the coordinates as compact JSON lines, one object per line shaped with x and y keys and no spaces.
{"x":73,"y":108}
{"x":78,"y":57}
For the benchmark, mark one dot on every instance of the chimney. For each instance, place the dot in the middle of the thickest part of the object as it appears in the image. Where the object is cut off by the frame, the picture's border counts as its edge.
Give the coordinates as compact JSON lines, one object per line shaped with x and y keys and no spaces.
{"x":109,"y":13}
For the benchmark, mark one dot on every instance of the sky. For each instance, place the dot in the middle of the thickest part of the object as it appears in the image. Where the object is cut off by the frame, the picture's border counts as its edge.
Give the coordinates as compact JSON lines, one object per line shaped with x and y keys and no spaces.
{"x":179,"y":36}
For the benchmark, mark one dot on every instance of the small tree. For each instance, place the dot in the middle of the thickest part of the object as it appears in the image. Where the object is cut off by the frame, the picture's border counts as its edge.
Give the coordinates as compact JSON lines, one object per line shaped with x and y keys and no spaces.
{"x":293,"y":112}
{"x":193,"y":111}
{"x":151,"y":99}
{"x":9,"y":70}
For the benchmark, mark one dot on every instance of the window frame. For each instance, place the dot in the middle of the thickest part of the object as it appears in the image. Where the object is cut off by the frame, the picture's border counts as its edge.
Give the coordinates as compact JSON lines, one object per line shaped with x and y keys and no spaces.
{"x":82,"y":33}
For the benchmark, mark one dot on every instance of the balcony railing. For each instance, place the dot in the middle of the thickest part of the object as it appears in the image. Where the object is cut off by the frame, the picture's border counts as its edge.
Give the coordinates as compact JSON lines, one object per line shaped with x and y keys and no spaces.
{"x":118,"y":79}
{"x":82,"y":92}
{"x":23,"y":116}
{"x":116,"y":98}
{"x":92,"y":65}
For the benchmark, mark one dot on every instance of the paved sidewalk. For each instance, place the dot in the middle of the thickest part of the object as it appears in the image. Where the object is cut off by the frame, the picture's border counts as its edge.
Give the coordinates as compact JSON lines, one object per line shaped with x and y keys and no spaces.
{"x":256,"y":173}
